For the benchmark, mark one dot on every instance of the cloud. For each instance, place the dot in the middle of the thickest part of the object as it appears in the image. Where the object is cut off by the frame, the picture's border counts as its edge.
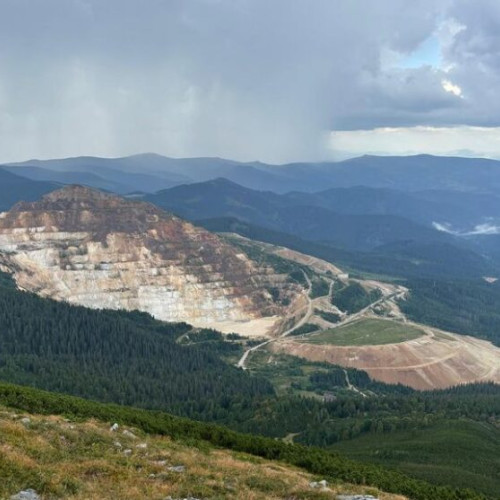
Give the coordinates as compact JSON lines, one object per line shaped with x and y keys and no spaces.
{"x":486,"y":229}
{"x":451,"y":88}
{"x":444,"y":228}
{"x":248,"y":79}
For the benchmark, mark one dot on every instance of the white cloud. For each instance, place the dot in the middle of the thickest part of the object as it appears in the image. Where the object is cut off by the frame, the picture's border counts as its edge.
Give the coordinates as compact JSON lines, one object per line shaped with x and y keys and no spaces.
{"x":451,"y":88}
{"x":485,"y":229}
{"x":444,"y":227}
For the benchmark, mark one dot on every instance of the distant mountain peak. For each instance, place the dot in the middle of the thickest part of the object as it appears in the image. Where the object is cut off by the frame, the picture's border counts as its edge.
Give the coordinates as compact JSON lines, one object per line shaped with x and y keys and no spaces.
{"x":71,"y":193}
{"x":77,"y":192}
{"x":223,"y":181}
{"x":147,"y":155}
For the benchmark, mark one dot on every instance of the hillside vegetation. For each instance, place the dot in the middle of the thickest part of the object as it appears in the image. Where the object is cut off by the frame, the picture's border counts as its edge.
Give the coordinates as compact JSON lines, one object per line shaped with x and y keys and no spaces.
{"x":457,"y":450}
{"x":463,"y":306}
{"x":353,"y":297}
{"x":447,"y":436}
{"x":80,"y":459}
{"x":330,"y":466}
{"x":127,"y":358}
{"x":367,"y":332}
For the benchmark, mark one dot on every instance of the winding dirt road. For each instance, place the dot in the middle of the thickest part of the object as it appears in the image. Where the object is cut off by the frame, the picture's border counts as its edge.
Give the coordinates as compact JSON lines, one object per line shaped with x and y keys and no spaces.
{"x":352,"y":387}
{"x":302,"y":322}
{"x":310,"y":311}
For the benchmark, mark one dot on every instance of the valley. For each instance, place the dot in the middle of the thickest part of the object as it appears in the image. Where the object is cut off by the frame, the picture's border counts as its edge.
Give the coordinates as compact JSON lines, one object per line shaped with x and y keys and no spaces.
{"x":114,"y":299}
{"x":69,"y":247}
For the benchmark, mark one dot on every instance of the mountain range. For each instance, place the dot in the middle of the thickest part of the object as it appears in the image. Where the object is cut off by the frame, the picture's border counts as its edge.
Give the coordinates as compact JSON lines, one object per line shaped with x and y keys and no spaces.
{"x":151,"y":172}
{"x":380,"y":227}
{"x":458,"y":193}
{"x":416,"y":209}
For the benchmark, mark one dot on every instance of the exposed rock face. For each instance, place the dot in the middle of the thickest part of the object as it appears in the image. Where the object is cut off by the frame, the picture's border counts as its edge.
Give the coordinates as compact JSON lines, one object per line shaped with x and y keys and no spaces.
{"x":102,"y":251}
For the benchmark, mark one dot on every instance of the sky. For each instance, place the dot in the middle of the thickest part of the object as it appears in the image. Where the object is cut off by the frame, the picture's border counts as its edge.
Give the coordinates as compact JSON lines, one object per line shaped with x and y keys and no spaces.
{"x":275,"y":81}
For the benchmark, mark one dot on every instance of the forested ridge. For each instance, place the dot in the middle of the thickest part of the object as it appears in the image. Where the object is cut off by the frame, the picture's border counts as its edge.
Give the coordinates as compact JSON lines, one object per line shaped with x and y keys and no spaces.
{"x":462,"y":306}
{"x":407,"y":259}
{"x":125,"y":357}
{"x":353,"y":297}
{"x":348,"y":416}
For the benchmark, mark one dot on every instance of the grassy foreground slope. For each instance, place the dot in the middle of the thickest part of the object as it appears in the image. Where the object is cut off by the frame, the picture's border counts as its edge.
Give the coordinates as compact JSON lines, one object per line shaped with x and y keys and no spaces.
{"x":329,"y":466}
{"x":84,"y":459}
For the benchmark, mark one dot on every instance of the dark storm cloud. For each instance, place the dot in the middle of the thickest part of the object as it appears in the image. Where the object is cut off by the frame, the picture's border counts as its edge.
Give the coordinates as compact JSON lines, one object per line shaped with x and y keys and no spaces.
{"x":248,"y":79}
{"x":475,"y":58}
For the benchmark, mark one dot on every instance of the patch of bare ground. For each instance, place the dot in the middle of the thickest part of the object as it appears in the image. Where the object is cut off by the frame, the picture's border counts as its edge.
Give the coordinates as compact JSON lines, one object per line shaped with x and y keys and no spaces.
{"x":434,"y":361}
{"x":319,"y":265}
{"x":256,"y":328}
{"x":316,"y":264}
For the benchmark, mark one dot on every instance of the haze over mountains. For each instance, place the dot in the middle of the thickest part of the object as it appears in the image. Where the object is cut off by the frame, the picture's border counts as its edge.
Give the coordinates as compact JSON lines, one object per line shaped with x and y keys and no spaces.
{"x":413,"y":208}
{"x":406,"y":173}
{"x":462,"y":192}
{"x":14,"y":188}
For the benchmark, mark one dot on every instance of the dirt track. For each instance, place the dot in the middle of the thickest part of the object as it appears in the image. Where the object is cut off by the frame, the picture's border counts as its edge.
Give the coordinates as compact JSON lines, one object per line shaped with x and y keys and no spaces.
{"x":301,"y":322}
{"x":435,"y":360}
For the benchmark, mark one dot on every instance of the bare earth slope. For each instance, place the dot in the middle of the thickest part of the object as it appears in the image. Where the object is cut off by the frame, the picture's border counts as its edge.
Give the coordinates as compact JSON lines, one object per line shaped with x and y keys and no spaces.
{"x":98,"y":250}
{"x":435,"y":360}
